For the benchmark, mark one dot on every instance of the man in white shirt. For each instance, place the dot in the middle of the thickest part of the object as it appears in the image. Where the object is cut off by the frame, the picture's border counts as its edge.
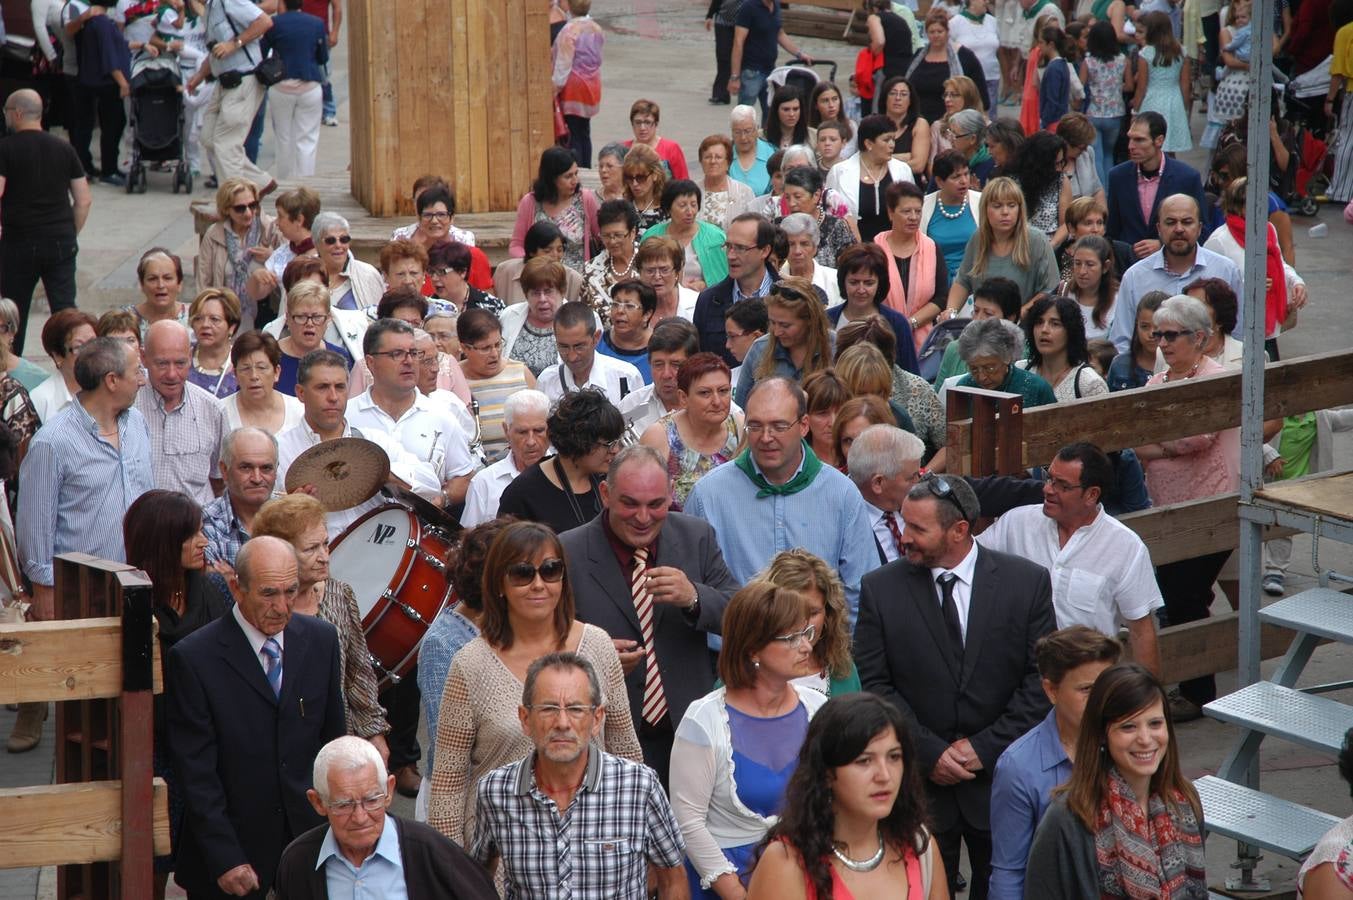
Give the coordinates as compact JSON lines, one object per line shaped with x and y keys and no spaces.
{"x":672,"y":343}
{"x":885,"y":462}
{"x":322,"y":387}
{"x":524,"y":416}
{"x":393,"y":405}
{"x":576,"y":335}
{"x":1101,"y":570}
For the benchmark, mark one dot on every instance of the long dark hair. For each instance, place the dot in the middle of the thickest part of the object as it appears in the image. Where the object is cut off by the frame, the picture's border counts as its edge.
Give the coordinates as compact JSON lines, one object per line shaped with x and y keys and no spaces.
{"x":154,"y":530}
{"x":1069,"y":311}
{"x":519,"y":542}
{"x":1108,"y":281}
{"x":555,"y":161}
{"x":783,"y":95}
{"x":1035,"y":169}
{"x":837,"y":735}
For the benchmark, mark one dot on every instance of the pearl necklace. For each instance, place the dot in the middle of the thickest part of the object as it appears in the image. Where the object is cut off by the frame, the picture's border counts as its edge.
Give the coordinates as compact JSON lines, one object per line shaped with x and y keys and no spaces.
{"x":861,"y":865}
{"x":962,"y":208}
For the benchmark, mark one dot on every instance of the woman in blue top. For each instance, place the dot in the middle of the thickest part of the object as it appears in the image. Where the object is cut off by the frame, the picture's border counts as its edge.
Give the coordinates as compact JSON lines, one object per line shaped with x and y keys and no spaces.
{"x":800,"y":339}
{"x":301,"y":40}
{"x":949,"y":214}
{"x":1135,"y":367}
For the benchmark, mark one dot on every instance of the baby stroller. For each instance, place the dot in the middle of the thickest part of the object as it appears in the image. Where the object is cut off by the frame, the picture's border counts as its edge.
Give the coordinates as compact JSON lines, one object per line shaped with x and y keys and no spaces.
{"x":798,"y":74}
{"x":157,"y":123}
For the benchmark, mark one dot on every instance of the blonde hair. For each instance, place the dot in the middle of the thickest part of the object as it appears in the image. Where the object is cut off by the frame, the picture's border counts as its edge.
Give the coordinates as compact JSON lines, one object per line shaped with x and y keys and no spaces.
{"x":801,"y":571}
{"x":967,"y":89}
{"x":1001,"y":190}
{"x":797,"y":296}
{"x":865,"y":371}
{"x":225,"y":194}
{"x":304,"y":292}
{"x":287,"y":517}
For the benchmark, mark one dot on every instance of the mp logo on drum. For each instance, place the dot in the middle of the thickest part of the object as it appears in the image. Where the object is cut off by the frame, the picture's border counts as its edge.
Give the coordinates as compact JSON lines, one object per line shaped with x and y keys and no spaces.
{"x":381,"y":534}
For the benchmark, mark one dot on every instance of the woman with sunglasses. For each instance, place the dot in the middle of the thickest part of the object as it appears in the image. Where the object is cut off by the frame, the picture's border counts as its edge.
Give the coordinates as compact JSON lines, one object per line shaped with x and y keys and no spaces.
{"x":353,"y":284}
{"x":800,"y":339}
{"x":491,"y":375}
{"x":236,"y":246}
{"x":527,"y":613}
{"x":256,"y":362}
{"x":644,"y":180}
{"x":737,"y":747}
{"x":562,"y":490}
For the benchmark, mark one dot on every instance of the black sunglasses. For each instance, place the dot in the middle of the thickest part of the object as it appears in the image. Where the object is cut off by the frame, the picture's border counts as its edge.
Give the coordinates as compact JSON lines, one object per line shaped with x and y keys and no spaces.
{"x":338,"y":239}
{"x":941,"y":489}
{"x":523,"y":573}
{"x":242,"y":208}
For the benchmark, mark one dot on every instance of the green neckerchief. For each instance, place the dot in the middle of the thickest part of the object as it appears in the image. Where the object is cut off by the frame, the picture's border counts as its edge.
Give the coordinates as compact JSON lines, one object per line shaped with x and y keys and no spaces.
{"x":811,"y":466}
{"x":1033,"y":13}
{"x":982,"y":155}
{"x":967,"y":14}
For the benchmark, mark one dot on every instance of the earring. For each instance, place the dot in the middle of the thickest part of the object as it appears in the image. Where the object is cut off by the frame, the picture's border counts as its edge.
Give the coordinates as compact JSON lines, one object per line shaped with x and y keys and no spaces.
{"x":756,"y":664}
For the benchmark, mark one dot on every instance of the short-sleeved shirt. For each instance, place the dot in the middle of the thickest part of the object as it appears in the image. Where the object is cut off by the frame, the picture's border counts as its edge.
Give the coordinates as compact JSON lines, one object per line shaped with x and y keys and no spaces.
{"x":1342,"y":64}
{"x":221,"y":16}
{"x":1040,"y":276}
{"x":38,"y":168}
{"x":1101,"y":578}
{"x":763,"y":25}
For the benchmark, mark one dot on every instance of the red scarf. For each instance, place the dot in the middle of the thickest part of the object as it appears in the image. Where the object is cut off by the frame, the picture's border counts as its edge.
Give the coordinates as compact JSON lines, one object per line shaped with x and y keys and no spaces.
{"x":303,"y":247}
{"x":1275,"y":302}
{"x":1152,"y":855}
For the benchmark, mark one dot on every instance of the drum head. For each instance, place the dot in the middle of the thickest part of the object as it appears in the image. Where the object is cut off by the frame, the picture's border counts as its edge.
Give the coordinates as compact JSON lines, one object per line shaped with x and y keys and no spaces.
{"x":345,"y":472}
{"x":370,"y":556}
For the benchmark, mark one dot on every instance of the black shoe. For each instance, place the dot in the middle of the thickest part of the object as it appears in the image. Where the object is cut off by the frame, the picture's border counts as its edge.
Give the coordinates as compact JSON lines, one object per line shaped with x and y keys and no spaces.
{"x":116,"y":179}
{"x":210,"y":183}
{"x":960,"y":883}
{"x":719,"y":101}
{"x":1182,"y":709}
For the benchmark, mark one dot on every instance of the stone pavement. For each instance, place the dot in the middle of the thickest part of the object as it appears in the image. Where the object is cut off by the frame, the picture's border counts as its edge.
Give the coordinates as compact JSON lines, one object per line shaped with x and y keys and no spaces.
{"x":662,"y":52}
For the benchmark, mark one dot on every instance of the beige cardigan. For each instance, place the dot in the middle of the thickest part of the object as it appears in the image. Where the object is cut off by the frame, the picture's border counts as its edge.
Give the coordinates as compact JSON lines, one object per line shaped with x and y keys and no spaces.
{"x":213,"y":261}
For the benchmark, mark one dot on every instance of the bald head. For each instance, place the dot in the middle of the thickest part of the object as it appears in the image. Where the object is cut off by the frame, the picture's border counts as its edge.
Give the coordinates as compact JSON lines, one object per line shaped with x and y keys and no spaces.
{"x":1180,"y":226}
{"x":167,"y":355}
{"x":25,"y":105}
{"x":265,"y":583}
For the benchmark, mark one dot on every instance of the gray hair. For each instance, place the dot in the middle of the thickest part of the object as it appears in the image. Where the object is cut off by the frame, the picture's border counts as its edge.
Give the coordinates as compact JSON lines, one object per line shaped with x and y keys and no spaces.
{"x":742,"y":112}
{"x":964,"y":508}
{"x":638,"y":453}
{"x":881,"y":450}
{"x":968,"y":121}
{"x":440,"y":314}
{"x":525,"y":401}
{"x":379,"y":329}
{"x":1187,"y":312}
{"x":326,"y":222}
{"x":228,"y":443}
{"x":98,"y":359}
{"x":346,"y":754}
{"x":796,"y":224}
{"x":614,"y":149}
{"x":990,"y":337}
{"x":562,"y":660}
{"x":9,"y":315}
{"x":797,"y":152}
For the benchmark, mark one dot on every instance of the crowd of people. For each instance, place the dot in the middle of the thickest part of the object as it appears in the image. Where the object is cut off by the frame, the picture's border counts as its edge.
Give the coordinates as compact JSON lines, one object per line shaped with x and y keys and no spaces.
{"x":723,"y":625}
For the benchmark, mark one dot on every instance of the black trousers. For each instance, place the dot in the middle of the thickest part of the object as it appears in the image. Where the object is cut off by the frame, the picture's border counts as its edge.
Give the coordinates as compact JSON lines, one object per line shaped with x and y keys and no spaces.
{"x":723,"y":62}
{"x":979,"y":854}
{"x":104,"y":105}
{"x":656,"y":742}
{"x":1211,"y":42}
{"x":1186,"y":587}
{"x":24,"y":263}
{"x":580,"y":139}
{"x":401,"y":704}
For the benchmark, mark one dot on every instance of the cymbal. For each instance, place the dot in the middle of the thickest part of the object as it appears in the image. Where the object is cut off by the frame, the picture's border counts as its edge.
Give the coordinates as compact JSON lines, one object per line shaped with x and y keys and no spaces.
{"x":432,"y":515}
{"x":345,"y":472}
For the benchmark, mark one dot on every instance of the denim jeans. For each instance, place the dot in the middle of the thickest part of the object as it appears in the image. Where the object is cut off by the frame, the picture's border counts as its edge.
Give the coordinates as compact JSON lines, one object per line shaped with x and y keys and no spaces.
{"x":330,"y":108}
{"x":255,"y":138}
{"x":1106,"y":131}
{"x":752,"y":89}
{"x":24,"y":263}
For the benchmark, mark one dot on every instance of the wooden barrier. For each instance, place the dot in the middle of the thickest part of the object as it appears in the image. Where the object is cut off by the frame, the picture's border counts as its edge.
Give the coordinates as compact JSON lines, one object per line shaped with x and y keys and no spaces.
{"x":462,"y":88}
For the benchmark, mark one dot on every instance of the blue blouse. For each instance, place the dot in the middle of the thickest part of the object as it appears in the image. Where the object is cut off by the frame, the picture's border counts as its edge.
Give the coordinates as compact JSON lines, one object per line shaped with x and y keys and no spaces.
{"x":951,"y":236}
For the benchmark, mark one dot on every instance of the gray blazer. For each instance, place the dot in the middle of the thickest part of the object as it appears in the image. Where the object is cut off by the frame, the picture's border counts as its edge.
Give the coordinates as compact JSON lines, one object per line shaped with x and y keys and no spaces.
{"x":601,"y":592}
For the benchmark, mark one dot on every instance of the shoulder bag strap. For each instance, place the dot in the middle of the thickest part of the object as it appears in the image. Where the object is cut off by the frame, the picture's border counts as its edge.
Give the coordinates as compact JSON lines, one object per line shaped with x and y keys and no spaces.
{"x":231,"y":22}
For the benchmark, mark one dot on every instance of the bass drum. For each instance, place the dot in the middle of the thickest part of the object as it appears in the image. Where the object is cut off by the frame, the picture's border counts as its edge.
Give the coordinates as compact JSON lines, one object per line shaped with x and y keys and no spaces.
{"x":396,"y":566}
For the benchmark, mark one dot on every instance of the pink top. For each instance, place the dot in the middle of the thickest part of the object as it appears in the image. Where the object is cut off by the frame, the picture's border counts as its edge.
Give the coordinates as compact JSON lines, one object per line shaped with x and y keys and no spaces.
{"x":1148,"y":188}
{"x":577,"y":67}
{"x":1203,"y":465}
{"x":841,"y":892}
{"x":670,"y":153}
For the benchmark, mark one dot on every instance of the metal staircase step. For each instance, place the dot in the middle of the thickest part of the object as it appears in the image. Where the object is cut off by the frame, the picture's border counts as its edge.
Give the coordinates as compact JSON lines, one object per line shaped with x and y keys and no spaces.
{"x":1312,"y":721}
{"x":1253,"y":817}
{"x":1319,"y":611}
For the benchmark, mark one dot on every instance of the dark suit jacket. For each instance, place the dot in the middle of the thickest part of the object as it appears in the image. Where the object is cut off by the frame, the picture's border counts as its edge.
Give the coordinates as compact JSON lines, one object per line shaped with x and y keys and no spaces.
{"x":244,"y":757}
{"x":710,"y":308}
{"x":603,"y":598}
{"x":995,"y":698}
{"x":1125,"y":208}
{"x":434,"y":867}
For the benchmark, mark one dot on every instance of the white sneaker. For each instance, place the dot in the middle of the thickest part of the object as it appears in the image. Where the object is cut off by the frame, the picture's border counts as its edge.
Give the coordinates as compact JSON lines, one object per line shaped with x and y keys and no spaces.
{"x":1274,"y":584}
{"x":331,"y":120}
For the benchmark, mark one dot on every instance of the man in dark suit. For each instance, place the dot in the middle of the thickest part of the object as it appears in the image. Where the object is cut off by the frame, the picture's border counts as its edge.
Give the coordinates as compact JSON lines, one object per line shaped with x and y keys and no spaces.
{"x":750,"y":275}
{"x":1149,"y":176}
{"x":252,"y":698}
{"x":948,"y":635}
{"x":639,"y":564}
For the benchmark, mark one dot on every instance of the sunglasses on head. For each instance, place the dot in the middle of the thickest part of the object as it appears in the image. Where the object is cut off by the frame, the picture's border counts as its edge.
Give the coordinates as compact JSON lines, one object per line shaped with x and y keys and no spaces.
{"x":242,"y":208}
{"x":338,"y":239}
{"x":523,"y":573}
{"x":942,"y":490}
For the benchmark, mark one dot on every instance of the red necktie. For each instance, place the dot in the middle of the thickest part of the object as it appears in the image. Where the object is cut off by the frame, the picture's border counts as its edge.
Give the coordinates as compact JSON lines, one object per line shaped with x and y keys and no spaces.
{"x":655,"y":701}
{"x":891,"y":521}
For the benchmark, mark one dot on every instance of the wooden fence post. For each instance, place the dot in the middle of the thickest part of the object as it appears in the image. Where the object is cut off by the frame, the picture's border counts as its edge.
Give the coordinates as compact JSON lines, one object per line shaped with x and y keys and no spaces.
{"x":136,"y":737}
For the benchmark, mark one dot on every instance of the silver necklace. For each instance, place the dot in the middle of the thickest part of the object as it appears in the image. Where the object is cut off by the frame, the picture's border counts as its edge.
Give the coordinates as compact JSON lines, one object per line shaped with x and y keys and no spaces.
{"x":861,"y":865}
{"x":962,"y":208}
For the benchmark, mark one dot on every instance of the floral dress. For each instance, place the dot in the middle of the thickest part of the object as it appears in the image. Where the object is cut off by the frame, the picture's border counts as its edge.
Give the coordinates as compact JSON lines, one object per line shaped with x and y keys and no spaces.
{"x":572,"y":221}
{"x":833,"y":237}
{"x":686,"y":465}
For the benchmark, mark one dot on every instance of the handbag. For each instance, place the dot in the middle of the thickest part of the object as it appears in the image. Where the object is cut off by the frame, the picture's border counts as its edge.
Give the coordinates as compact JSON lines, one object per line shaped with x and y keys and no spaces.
{"x":271,"y":70}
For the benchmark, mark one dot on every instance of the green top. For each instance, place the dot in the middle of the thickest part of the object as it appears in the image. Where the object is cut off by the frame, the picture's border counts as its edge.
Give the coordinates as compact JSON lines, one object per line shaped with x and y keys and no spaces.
{"x":951,"y":364}
{"x":850,"y":684}
{"x":1034,"y":390}
{"x":1295,"y":443}
{"x":708,"y":247}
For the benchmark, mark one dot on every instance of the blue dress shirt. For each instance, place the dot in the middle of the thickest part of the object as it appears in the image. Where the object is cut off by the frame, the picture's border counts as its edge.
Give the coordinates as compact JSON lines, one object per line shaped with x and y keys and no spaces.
{"x":380,"y":877}
{"x":1021,"y":791}
{"x":1149,"y":274}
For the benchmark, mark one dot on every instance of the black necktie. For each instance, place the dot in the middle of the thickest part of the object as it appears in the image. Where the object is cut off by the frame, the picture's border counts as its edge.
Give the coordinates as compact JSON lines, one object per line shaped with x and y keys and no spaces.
{"x":950,"y":610}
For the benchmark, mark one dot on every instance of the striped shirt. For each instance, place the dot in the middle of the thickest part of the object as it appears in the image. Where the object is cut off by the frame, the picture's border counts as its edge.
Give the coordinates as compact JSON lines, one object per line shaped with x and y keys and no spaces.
{"x":75,"y":487}
{"x":492,"y":393}
{"x":185,"y":442}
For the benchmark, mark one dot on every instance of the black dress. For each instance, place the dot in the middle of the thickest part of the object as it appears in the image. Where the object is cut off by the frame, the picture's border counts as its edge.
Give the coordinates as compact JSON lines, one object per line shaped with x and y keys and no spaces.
{"x":928,"y":78}
{"x":534,"y":497}
{"x":873,"y":208}
{"x":896,"y":44}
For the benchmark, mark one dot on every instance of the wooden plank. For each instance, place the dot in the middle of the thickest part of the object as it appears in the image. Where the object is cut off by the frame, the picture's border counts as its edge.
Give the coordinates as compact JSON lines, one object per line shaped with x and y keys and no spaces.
{"x":467,"y":193}
{"x":63,"y":660}
{"x":136,"y":737}
{"x":487,"y":95}
{"x":415,"y":106}
{"x":1185,"y":530}
{"x":1194,"y":406}
{"x":539,"y":91}
{"x":70,"y":824}
{"x":1327,"y":495}
{"x":1212,"y":645}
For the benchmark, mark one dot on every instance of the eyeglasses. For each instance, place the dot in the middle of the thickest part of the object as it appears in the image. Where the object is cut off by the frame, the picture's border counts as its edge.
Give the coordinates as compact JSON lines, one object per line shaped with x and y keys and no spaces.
{"x":523,"y":573}
{"x":435,"y":217}
{"x":988,"y":369}
{"x":656,"y":271}
{"x":640,"y":177}
{"x":576,"y":712}
{"x":644,"y":123}
{"x":611,"y":446}
{"x":738,"y":248}
{"x":338,"y":239}
{"x":1169,"y":337}
{"x":941,"y":489}
{"x":240,"y":209}
{"x":626,"y":307}
{"x":755,"y":428}
{"x":344,"y":808}
{"x":788,"y":293}
{"x":1062,"y":486}
{"x":206,"y":320}
{"x":399,"y":355}
{"x":792,"y":639}
{"x":441,"y":272}
{"x":495,"y":347}
{"x":736,"y":335}
{"x":260,"y":369}
{"x":308,"y":318}
{"x":951,"y":95}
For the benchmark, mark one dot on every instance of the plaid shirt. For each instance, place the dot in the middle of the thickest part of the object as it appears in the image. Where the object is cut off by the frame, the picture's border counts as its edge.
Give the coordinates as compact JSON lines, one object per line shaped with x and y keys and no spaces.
{"x":185,"y":442}
{"x":225,"y":534}
{"x":597,"y":849}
